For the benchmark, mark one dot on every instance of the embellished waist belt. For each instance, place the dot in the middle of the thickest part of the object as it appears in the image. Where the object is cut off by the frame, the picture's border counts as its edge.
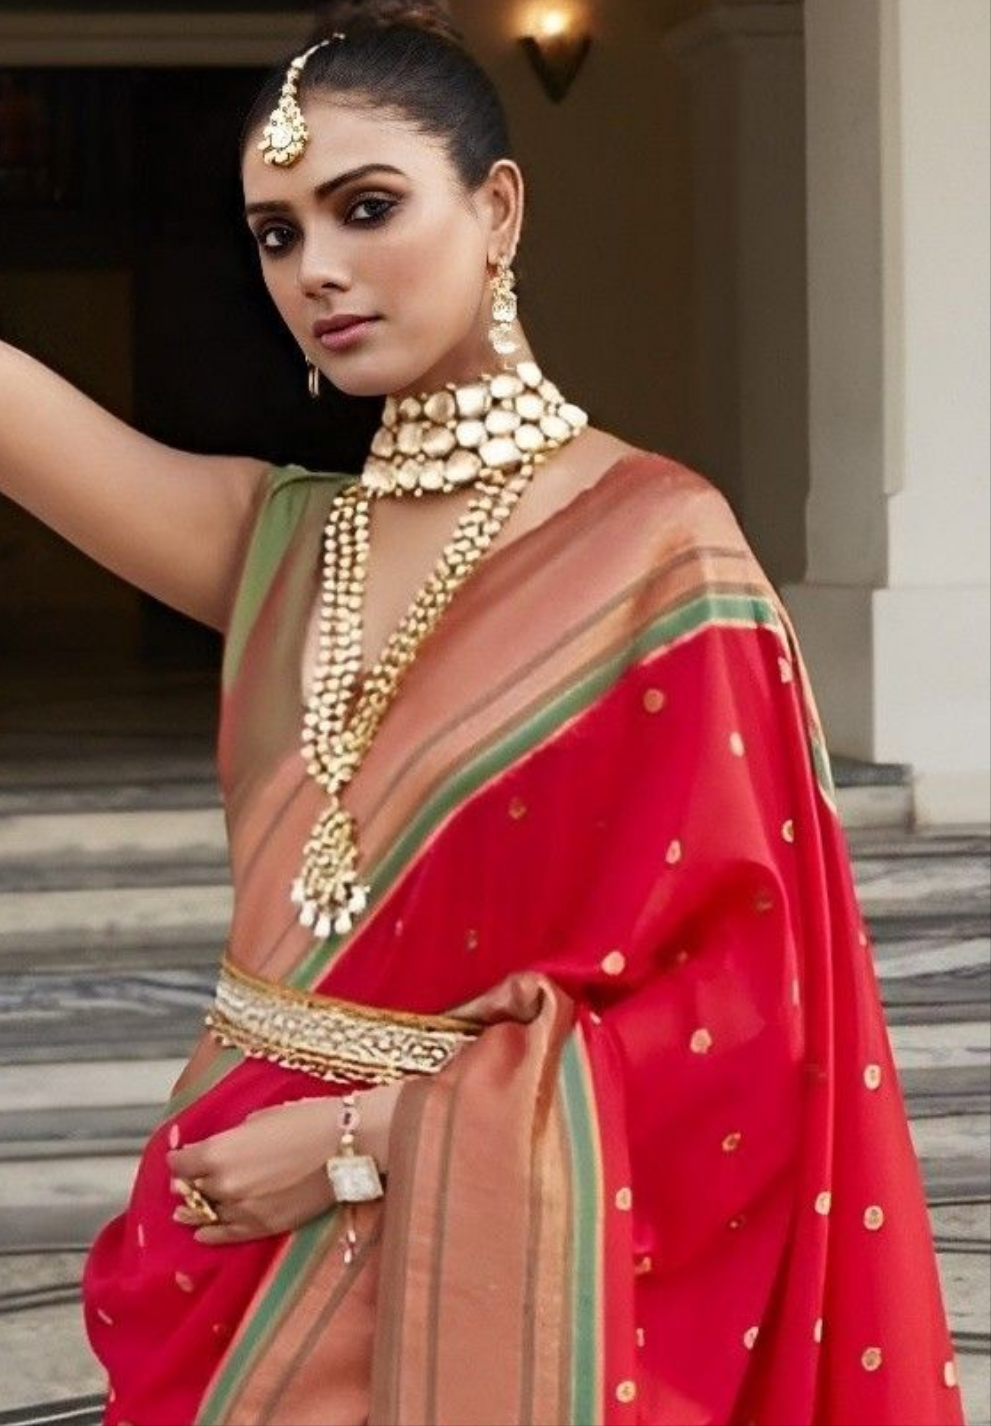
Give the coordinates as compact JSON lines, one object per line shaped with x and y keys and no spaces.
{"x":328,"y":1038}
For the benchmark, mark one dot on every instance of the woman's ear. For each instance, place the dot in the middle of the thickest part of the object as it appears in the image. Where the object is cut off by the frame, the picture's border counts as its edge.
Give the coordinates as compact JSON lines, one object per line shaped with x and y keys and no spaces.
{"x":506,"y":195}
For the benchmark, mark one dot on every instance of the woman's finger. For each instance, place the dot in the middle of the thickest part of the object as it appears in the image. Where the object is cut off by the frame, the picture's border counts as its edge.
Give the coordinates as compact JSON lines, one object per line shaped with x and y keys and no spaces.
{"x":245,"y":1221}
{"x":189,"y":1162}
{"x":219,"y":1234}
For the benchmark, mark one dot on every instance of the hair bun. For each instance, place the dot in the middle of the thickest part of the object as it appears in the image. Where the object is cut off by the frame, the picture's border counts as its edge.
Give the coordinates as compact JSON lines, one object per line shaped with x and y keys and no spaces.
{"x":363,"y":16}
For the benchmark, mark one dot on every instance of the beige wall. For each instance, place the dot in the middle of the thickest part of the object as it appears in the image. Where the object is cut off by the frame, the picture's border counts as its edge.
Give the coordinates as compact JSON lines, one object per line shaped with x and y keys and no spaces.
{"x":894,"y":612}
{"x":607,"y":255}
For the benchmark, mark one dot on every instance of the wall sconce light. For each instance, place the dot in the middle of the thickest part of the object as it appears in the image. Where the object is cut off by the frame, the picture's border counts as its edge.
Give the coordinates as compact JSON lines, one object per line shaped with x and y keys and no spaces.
{"x":557,"y":49}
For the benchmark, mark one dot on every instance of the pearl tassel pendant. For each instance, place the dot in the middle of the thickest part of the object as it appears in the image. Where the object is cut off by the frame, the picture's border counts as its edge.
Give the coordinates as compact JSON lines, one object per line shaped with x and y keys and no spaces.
{"x":329,"y":894}
{"x":517,"y":420}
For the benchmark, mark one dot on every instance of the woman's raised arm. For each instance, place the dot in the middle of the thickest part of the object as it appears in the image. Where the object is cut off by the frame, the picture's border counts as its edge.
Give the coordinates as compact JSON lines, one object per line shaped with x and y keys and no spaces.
{"x":170,"y":522}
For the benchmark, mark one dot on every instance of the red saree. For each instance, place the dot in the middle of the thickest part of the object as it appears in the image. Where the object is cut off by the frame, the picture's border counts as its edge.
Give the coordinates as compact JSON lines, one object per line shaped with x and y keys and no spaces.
{"x":672,"y":1180}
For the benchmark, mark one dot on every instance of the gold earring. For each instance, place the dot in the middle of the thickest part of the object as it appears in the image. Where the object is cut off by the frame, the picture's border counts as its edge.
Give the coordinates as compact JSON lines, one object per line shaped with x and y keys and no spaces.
{"x":504,"y":309}
{"x":313,"y":380}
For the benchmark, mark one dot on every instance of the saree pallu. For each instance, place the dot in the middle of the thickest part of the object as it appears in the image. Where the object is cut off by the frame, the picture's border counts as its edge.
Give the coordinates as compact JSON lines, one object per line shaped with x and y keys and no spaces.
{"x":671,"y":1181}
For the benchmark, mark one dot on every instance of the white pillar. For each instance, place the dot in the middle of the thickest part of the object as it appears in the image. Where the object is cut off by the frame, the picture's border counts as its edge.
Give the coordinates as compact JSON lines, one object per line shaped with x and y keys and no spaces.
{"x":894,"y":613}
{"x":743,"y":63}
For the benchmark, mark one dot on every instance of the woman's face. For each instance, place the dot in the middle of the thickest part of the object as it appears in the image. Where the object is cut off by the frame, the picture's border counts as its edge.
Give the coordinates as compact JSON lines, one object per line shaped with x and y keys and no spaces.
{"x":372,"y":222}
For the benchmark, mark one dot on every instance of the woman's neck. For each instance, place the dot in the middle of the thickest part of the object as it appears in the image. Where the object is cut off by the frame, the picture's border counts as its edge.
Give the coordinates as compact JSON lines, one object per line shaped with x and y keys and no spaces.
{"x":465,"y":365}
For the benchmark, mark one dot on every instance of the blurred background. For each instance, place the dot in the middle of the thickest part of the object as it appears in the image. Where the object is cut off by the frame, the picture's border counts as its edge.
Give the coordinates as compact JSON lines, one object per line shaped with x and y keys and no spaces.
{"x":757,"y":242}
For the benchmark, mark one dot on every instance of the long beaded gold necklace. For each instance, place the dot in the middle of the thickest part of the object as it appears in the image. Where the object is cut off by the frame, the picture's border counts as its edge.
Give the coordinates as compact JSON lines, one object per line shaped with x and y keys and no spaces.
{"x":493,"y":434}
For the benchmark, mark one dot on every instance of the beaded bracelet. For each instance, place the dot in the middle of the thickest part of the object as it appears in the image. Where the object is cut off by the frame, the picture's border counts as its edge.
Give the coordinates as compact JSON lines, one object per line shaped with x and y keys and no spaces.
{"x":354,"y":1177}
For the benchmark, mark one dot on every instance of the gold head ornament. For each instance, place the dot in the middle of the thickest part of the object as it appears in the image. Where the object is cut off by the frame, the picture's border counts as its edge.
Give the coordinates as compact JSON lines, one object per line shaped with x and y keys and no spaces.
{"x":285,"y":136}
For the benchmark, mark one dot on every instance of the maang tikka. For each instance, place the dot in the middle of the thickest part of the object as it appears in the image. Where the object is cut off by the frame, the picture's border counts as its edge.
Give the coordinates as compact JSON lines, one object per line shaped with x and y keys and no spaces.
{"x":285,"y":136}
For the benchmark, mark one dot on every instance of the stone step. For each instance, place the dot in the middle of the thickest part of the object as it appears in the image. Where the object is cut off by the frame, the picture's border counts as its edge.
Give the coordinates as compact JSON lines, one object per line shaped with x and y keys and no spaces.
{"x":39,"y":925}
{"x":108,"y":837}
{"x":56,"y":1017}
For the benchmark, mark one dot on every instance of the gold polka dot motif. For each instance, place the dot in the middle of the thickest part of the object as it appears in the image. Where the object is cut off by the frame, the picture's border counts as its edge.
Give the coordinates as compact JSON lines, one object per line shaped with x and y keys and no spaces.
{"x":614,"y":963}
{"x":653,"y":700}
{"x":750,"y":1338}
{"x":950,"y":1374}
{"x":624,"y":1199}
{"x":643,"y":1265}
{"x":788,"y":830}
{"x":641,"y":1337}
{"x":471,"y":939}
{"x":184,"y":1282}
{"x":871,"y":1359}
{"x":872,"y":1076}
{"x":823,"y":1203}
{"x":817,"y":1330}
{"x":732,"y":1142}
{"x":701,"y":1041}
{"x":873,"y":1217}
{"x":673,"y":854}
{"x":626,"y":1392}
{"x":736,"y":744}
{"x":517,"y":809}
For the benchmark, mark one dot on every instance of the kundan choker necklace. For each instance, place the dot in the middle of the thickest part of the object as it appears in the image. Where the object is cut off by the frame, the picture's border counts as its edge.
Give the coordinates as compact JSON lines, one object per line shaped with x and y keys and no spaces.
{"x":492,"y":434}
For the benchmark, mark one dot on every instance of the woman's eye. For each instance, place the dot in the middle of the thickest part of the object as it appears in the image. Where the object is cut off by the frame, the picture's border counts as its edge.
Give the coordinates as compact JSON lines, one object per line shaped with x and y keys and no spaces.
{"x":376,"y":209}
{"x":281,"y":238}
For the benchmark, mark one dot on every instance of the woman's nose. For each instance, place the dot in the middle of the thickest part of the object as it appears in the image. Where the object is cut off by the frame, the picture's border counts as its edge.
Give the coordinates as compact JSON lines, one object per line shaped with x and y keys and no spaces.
{"x":320,"y":270}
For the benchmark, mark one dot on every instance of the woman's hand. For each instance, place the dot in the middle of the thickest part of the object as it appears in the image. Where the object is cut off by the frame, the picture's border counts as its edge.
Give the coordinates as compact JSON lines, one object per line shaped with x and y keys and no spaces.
{"x":267,"y":1175}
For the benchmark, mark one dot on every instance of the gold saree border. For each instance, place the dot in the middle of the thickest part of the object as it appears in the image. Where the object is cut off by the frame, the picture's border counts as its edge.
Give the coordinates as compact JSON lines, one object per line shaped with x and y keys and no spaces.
{"x":276,"y":1294}
{"x":493,"y":1241}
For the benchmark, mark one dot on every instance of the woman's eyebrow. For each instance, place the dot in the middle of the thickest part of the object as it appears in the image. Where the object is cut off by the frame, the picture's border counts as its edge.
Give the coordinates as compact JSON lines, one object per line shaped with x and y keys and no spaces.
{"x":324,"y":190}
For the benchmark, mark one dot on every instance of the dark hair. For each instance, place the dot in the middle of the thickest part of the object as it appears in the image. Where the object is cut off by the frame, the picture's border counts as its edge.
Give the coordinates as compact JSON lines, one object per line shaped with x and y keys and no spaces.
{"x":408,"y":58}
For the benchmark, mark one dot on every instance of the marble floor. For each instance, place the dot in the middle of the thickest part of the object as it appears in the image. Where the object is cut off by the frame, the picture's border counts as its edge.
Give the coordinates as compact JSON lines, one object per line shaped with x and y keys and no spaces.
{"x":113,"y":859}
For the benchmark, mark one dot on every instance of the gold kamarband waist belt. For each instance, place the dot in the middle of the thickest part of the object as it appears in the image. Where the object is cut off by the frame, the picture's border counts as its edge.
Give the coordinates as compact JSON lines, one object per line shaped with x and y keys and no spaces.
{"x":331,"y":1039}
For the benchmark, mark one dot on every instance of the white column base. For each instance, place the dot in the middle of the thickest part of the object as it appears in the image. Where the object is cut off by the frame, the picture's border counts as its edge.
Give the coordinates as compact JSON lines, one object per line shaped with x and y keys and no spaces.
{"x":902,"y":676}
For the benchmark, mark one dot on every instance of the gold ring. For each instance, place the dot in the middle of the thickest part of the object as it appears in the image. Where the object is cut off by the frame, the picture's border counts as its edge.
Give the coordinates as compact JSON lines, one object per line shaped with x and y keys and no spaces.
{"x":197,"y":1201}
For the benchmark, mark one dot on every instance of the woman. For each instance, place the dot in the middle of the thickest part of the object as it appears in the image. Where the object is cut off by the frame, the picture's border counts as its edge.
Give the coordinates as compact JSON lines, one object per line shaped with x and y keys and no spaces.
{"x":537,"y":865}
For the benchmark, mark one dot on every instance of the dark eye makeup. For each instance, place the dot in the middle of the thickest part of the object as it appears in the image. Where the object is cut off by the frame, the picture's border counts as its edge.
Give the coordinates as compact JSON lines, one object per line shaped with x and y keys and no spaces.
{"x":276,"y":238}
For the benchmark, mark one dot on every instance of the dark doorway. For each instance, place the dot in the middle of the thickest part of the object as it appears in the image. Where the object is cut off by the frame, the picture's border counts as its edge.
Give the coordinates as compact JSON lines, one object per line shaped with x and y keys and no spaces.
{"x":139,"y":169}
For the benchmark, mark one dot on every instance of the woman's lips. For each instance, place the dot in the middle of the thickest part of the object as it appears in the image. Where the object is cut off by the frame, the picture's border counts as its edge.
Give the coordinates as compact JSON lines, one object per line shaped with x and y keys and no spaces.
{"x":348,"y":336}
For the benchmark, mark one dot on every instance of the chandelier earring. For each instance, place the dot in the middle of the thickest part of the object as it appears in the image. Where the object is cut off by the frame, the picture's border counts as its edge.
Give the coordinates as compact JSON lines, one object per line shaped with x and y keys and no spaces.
{"x":504,"y":309}
{"x":313,"y":380}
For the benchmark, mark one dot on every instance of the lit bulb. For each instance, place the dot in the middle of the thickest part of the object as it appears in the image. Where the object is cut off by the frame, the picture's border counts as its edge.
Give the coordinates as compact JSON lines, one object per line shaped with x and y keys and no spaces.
{"x":554,"y":23}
